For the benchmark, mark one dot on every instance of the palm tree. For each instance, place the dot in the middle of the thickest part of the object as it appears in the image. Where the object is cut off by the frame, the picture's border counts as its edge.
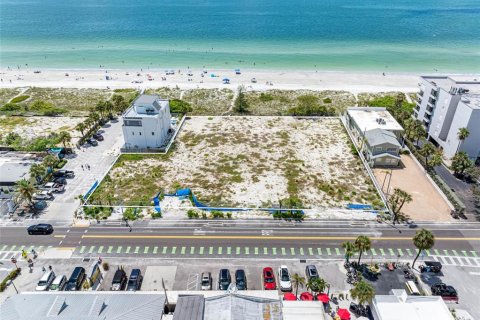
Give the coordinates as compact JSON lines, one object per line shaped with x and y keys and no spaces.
{"x":297,"y":281}
{"x":50,"y":162}
{"x":89,"y":123}
{"x":460,"y":163}
{"x":316,"y":285}
{"x":349,"y":249}
{"x":363,"y":292}
{"x":427,"y":150}
{"x":25,"y":190}
{"x":423,"y":240}
{"x":37,"y":171}
{"x":396,"y":202}
{"x":362,"y":244}
{"x":94,"y":116}
{"x":81,"y":127}
{"x":462,"y":134}
{"x":100,"y":107}
{"x":64,"y":137}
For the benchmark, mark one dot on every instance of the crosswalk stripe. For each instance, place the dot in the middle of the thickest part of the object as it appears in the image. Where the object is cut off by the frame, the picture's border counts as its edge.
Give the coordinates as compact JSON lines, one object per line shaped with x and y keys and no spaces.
{"x":446,"y":252}
{"x":292,"y":251}
{"x":436,"y":252}
{"x":137,"y":249}
{"x":119,"y":249}
{"x":91,"y":249}
{"x":220,"y":249}
{"x":374,"y":253}
{"x":100,"y":249}
{"x":155,"y":249}
{"x":82,"y":249}
{"x":428,"y":252}
{"x":146,"y":249}
{"x":21,"y":248}
{"x":256,"y":250}
{"x":183,"y":250}
{"x":174,"y":249}
{"x":192,"y":250}
{"x":301,"y":252}
{"x":247,"y":250}
{"x":4,"y":247}
{"x":455,"y":252}
{"x":337,"y":251}
{"x":110,"y":248}
{"x":210,"y":250}
{"x":274,"y":251}
{"x":474,"y":253}
{"x":310,"y":251}
{"x":400,"y":252}
{"x":409,"y":252}
{"x":391,"y":251}
{"x":319,"y":251}
{"x":12,"y":248}
{"x":283,"y":252}
{"x":465,"y":253}
{"x":128,"y":249}
{"x":229,"y":250}
{"x":201,"y":250}
{"x":237,"y":250}
{"x":265,"y":250}
{"x":328,"y":251}
{"x":382,"y":252}
{"x":164,"y":250}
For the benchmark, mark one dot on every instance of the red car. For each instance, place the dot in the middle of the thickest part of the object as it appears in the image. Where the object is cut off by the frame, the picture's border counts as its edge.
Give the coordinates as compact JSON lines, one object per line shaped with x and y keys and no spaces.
{"x":269,"y":282}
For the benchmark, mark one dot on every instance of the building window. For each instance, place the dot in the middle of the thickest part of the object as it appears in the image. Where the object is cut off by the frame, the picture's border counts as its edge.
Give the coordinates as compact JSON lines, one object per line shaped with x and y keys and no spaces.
{"x":133,"y":133}
{"x":153,"y":133}
{"x":139,"y":133}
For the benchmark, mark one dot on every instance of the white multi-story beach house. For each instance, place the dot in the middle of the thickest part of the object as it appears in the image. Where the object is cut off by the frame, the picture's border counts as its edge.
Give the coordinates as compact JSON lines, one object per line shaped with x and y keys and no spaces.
{"x":446,"y":104}
{"x":146,"y":123}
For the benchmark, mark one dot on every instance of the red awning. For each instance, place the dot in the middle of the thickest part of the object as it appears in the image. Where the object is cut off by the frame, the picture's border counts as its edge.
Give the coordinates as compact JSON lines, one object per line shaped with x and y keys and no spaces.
{"x":343,"y":314}
{"x":323,"y":297}
{"x":289,"y":297}
{"x":306,"y":296}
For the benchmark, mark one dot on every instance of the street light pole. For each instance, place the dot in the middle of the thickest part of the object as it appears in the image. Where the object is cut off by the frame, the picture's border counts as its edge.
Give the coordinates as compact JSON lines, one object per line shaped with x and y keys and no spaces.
{"x":13,"y":284}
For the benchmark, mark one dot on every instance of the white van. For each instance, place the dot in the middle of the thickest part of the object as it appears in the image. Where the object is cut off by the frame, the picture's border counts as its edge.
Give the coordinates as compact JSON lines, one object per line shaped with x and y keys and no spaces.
{"x":412,"y":288}
{"x":45,"y":281}
{"x":58,"y":284}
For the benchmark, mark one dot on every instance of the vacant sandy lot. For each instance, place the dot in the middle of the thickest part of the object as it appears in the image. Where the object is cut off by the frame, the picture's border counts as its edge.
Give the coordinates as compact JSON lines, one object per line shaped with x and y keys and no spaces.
{"x":249,"y":161}
{"x":427,"y":204}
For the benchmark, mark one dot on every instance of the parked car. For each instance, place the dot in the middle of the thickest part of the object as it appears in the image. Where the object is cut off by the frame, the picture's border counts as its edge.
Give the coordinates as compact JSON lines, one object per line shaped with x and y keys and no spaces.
{"x":224,"y":279}
{"x":445,"y":291}
{"x":135,"y":280}
{"x":92,"y":142}
{"x":58,"y":284}
{"x":284,"y":278}
{"x":43,"y":195}
{"x":76,"y":280}
{"x":42,"y":228}
{"x":45,"y":281}
{"x":311,"y":272}
{"x":98,"y":136}
{"x":206,"y":283}
{"x":431,"y":266}
{"x":241,"y":279}
{"x":269,"y":282}
{"x":119,"y":280}
{"x":64,"y":174}
{"x":54,"y":187}
{"x":60,"y":180}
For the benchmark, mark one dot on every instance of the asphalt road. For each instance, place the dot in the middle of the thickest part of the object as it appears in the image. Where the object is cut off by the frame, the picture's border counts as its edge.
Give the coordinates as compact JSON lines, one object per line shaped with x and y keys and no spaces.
{"x":247,"y":233}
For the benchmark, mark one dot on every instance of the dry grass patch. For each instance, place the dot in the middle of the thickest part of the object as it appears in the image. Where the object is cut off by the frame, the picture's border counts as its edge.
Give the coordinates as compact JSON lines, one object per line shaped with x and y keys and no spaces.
{"x":6,"y":94}
{"x":249,"y":161}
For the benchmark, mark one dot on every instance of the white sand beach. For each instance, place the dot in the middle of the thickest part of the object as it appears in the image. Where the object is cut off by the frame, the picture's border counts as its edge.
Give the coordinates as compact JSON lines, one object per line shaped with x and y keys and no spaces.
{"x":192,"y":78}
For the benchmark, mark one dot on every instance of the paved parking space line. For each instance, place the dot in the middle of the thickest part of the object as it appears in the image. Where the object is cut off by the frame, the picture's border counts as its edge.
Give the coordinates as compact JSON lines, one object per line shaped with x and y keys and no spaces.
{"x":283,"y":252}
{"x":146,"y":249}
{"x":328,"y":252}
{"x":137,"y":249}
{"x":210,"y":250}
{"x":310,"y":251}
{"x":229,"y":250}
{"x":256,"y":250}
{"x":128,"y":249}
{"x":91,"y":249}
{"x":182,"y":251}
{"x":274,"y":251}
{"x":164,"y":250}
{"x":82,"y":249}
{"x":110,"y":248}
{"x":201,"y":250}
{"x":220,"y":249}
{"x":292,"y":251}
{"x":155,"y":249}
{"x":174,"y":250}
{"x":100,"y":249}
{"x":192,"y":250}
{"x":382,"y":252}
{"x":301,"y":252}
{"x":119,"y":249}
{"x":265,"y":250}
{"x":247,"y":250}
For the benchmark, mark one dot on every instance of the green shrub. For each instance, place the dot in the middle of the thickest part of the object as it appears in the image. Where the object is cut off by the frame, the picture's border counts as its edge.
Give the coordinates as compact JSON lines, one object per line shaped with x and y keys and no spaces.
{"x":61,"y":163}
{"x":130,"y":214}
{"x":19,"y":99}
{"x":229,"y":215}
{"x":106,"y":266}
{"x":11,"y":107}
{"x":192,"y":214}
{"x":327,"y":100}
{"x":265,"y":97}
{"x":45,"y":108}
{"x":180,"y":106}
{"x":204,"y":216}
{"x":217,"y":214}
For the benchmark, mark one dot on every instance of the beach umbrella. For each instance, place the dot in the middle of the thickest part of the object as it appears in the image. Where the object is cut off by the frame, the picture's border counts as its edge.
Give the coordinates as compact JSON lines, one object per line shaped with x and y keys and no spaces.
{"x":306,"y":296}
{"x":323,"y":297}
{"x":212,"y":75}
{"x":289,"y":297}
{"x":344,"y":314}
{"x":226,"y":79}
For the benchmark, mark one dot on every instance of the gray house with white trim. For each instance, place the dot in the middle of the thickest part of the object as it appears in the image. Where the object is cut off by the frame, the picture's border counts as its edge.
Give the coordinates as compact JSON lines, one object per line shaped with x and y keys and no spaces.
{"x":381,"y":148}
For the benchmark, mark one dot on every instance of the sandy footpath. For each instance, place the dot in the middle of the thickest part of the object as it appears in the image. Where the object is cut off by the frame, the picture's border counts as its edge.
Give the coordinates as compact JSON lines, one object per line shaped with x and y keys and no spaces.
{"x":192,"y":78}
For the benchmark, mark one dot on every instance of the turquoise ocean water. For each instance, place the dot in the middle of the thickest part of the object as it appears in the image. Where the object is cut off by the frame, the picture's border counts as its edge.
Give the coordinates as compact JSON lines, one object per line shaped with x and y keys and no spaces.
{"x":369,"y":35}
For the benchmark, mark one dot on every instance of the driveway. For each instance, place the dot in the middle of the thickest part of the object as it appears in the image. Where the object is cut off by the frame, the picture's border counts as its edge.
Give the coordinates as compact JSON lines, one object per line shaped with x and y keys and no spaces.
{"x":461,"y":188}
{"x":99,"y":158}
{"x":427,"y":204}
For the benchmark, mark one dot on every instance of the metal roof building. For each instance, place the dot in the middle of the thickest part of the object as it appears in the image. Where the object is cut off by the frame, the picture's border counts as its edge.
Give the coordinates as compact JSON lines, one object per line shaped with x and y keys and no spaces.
{"x":92,"y":305}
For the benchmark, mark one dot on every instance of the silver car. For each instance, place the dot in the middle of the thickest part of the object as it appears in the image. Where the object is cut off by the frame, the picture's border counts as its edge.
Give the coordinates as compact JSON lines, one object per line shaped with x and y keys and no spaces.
{"x":206,"y":282}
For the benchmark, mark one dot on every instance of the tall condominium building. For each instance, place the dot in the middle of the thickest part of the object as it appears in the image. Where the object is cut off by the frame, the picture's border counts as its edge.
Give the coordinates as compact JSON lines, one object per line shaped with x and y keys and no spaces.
{"x":446,"y":104}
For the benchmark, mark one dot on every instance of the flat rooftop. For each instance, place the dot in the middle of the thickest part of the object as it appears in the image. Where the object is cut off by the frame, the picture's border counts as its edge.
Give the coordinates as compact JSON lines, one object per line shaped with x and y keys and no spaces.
{"x":367,"y":119}
{"x":146,"y":105}
{"x":472,"y":84}
{"x":14,"y":167}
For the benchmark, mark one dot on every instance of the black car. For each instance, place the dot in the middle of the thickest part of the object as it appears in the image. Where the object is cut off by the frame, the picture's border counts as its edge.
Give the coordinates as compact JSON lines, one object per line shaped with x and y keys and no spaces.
{"x":60,"y":180}
{"x":63,"y":174}
{"x":98,"y":136}
{"x":224,"y":279}
{"x":135,"y":280}
{"x":76,"y":280}
{"x":92,"y":142}
{"x":241,"y":279}
{"x":311,"y":272}
{"x":441,"y":289}
{"x":119,"y":280}
{"x":43,"y":228}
